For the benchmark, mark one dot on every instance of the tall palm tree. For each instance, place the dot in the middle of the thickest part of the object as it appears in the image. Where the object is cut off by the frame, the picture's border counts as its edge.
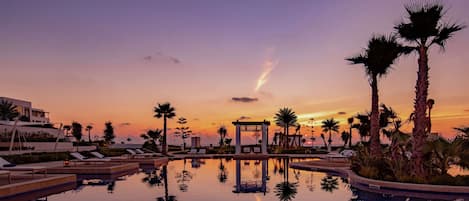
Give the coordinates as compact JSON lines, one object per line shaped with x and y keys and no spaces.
{"x":285,"y":118}
{"x":350,"y":126}
{"x":430,"y":103}
{"x":422,"y":29}
{"x":8,"y":111}
{"x":377,"y":59}
{"x":165,"y":111}
{"x":88,"y":128}
{"x":329,"y":126}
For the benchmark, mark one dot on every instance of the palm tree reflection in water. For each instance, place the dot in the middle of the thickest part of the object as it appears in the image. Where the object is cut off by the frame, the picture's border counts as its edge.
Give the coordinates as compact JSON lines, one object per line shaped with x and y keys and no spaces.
{"x":154,"y":178}
{"x":286,"y":191}
{"x":329,"y":184}
{"x":222,"y":173}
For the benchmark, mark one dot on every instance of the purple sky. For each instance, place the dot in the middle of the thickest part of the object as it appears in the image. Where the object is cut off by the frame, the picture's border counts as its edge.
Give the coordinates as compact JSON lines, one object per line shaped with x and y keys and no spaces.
{"x":93,"y":61}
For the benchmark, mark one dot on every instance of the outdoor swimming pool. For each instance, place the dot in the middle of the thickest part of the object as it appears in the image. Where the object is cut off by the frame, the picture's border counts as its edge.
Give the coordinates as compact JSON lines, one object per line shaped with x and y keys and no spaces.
{"x":226,"y":180}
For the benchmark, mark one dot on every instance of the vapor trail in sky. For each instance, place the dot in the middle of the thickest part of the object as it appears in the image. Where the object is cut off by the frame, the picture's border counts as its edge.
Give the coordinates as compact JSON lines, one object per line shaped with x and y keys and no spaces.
{"x":268,"y":66}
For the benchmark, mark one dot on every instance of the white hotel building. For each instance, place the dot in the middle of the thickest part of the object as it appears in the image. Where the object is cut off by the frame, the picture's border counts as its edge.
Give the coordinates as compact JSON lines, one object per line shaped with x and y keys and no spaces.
{"x":24,"y":108}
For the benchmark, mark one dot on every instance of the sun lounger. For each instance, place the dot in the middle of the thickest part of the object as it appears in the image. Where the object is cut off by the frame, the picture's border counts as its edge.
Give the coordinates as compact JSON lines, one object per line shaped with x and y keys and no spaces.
{"x":202,"y":151}
{"x":5,"y":165}
{"x":7,"y":173}
{"x":97,"y":155}
{"x":141,"y":152}
{"x":82,"y":158}
{"x":193,"y":151}
{"x":246,"y":149}
{"x":134,"y":154}
{"x":256,"y":150}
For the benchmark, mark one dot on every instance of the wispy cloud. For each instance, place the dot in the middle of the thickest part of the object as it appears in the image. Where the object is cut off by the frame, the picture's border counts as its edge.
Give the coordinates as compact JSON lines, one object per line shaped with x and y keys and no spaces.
{"x":244,"y":99}
{"x":160,"y":56}
{"x":244,"y":118}
{"x":267,"y":67}
{"x":125,"y":124}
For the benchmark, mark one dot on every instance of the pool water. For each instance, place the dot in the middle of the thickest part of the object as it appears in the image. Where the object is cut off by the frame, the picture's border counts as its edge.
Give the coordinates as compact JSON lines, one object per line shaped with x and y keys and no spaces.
{"x":225,"y":180}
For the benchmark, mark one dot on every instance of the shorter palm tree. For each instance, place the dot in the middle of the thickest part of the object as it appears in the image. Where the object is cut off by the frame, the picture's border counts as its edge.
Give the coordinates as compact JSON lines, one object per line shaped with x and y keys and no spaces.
{"x":329,"y":126}
{"x":345,"y":137}
{"x":285,"y":118}
{"x":324,"y":140}
{"x":430,"y":103}
{"x":152,"y":136}
{"x":88,"y":129}
{"x":222,"y":132}
{"x":350,"y":124}
{"x":165,"y":111}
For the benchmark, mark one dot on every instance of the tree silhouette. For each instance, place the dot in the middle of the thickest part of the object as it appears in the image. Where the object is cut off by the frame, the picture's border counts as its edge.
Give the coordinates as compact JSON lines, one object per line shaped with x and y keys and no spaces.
{"x":88,"y":128}
{"x":8,"y":111}
{"x":329,"y":126}
{"x":421,"y":29}
{"x":377,"y":59}
{"x":285,"y":118}
{"x":183,"y":130}
{"x":165,"y":111}
{"x":222,"y":132}
{"x":108,"y":132}
{"x":151,"y":137}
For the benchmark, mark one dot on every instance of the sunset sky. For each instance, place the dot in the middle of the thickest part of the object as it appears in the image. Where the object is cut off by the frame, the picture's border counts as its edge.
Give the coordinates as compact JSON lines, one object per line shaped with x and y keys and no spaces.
{"x":216,"y":61}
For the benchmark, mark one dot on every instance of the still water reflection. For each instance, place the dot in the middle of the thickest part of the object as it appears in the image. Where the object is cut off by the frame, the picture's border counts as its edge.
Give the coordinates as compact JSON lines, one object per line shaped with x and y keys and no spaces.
{"x":227,"y":180}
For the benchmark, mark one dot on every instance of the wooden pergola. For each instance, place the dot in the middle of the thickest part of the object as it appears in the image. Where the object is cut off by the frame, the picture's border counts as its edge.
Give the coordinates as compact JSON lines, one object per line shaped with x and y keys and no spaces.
{"x":252,"y":126}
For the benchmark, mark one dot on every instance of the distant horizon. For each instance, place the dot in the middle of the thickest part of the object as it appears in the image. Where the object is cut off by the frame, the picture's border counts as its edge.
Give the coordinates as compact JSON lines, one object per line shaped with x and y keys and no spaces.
{"x":217,"y":62}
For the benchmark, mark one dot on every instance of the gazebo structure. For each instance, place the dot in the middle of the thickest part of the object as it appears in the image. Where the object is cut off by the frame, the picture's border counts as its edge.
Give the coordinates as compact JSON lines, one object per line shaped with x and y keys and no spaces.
{"x":252,"y":126}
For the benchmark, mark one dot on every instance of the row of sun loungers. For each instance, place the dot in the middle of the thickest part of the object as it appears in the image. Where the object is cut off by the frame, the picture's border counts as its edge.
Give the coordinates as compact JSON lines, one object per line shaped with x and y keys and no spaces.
{"x":255,"y":150}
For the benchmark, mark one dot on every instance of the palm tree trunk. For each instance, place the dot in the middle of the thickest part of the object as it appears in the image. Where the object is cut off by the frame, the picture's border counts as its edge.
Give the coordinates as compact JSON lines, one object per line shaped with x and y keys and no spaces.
{"x":285,"y":137}
{"x":165,"y":180}
{"x":350,"y":137}
{"x":329,"y":148}
{"x":375,"y":146}
{"x":89,"y":136}
{"x":164,"y":147}
{"x":429,"y":121}
{"x":420,"y":108}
